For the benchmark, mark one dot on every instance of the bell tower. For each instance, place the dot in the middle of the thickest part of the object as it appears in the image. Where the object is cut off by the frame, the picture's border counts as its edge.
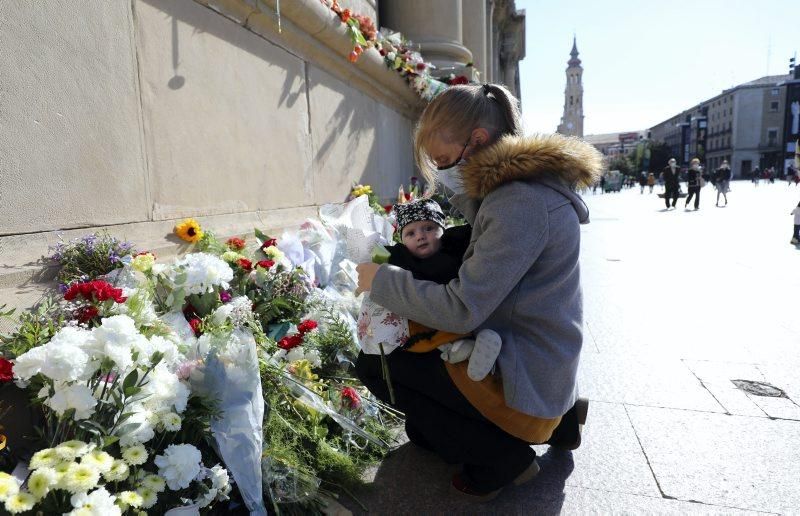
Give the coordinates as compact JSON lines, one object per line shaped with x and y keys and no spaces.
{"x":572,"y":119}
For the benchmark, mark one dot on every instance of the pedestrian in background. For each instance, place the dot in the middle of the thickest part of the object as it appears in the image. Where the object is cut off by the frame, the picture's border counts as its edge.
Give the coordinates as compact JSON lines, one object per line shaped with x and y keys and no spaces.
{"x":651,"y":181}
{"x":756,"y":175}
{"x":693,"y":178}
{"x":671,"y":186}
{"x":796,"y":234}
{"x":642,"y":181}
{"x":722,"y":180}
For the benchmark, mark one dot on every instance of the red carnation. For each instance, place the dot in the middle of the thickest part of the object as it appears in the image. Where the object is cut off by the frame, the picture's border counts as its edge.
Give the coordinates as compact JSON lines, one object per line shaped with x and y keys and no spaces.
{"x":345,"y":15}
{"x":306,"y":326}
{"x":245,"y":264}
{"x":461,"y":79}
{"x":265,"y":264}
{"x":87,"y":313}
{"x":235,"y":243}
{"x":388,"y":208}
{"x":420,"y":66}
{"x":352,"y":397}
{"x":269,"y":242}
{"x":97,"y":290}
{"x":288,"y":343}
{"x":195,"y":324}
{"x":6,"y":370}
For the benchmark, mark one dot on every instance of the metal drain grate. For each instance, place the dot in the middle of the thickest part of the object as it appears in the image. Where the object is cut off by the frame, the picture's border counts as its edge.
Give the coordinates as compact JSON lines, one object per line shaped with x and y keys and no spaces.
{"x":759,"y":388}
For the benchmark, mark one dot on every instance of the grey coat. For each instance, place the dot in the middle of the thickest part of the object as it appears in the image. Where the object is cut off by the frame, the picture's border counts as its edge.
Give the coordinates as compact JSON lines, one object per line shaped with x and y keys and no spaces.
{"x":520,"y":275}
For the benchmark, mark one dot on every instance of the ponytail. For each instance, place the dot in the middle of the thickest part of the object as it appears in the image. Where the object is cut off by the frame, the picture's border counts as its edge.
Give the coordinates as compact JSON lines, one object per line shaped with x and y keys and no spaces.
{"x":454,"y":113}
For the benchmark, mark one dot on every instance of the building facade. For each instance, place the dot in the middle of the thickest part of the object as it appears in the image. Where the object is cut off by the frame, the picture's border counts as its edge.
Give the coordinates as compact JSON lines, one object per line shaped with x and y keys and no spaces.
{"x":616,"y":144}
{"x":572,"y":119}
{"x":129,"y":116}
{"x":742,"y":125}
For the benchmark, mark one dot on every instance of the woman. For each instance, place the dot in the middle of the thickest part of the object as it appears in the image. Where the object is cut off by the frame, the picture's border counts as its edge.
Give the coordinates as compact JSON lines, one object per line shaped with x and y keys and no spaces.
{"x":520,"y":277}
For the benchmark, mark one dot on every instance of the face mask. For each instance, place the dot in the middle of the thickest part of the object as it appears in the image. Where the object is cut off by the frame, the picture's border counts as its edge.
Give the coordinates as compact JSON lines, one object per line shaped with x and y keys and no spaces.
{"x":450,"y":175}
{"x":451,"y":178}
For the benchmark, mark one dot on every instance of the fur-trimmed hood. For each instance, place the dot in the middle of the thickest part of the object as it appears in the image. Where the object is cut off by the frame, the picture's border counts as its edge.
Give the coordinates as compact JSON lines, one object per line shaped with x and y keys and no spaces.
{"x":547,"y":158}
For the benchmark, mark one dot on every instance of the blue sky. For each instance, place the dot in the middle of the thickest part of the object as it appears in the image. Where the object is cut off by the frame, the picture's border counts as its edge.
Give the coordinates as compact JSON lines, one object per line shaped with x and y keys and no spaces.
{"x":646,"y":61}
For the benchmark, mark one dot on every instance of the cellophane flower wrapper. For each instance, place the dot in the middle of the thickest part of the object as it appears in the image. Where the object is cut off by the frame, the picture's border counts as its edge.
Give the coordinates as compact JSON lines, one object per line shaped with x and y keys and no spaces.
{"x":230,"y":374}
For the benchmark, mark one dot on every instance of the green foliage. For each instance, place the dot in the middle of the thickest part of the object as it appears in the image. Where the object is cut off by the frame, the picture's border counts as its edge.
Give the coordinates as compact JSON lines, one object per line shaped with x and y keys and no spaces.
{"x":621,"y":163}
{"x":333,"y":341}
{"x":36,"y":327}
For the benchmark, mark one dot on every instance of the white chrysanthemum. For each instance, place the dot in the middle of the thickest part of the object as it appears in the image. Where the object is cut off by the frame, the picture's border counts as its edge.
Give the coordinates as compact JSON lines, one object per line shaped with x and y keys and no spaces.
{"x":171,"y":421}
{"x":44,"y":458}
{"x":41,"y":481}
{"x":29,"y":364}
{"x":220,"y":480}
{"x":20,"y":502}
{"x":67,"y":356}
{"x":100,"y":502}
{"x":99,"y":460}
{"x":61,"y":470}
{"x":9,"y":486}
{"x":149,"y":497}
{"x":78,"y":397}
{"x":114,"y":339}
{"x":135,"y":455}
{"x":130,"y":498}
{"x":312,"y":355}
{"x":179,"y":464}
{"x":118,"y":471}
{"x":142,"y":416}
{"x":164,"y":390}
{"x":154,"y":483}
{"x":79,"y":478}
{"x":202,"y":272}
{"x":168,"y":348}
{"x":295,"y":354}
{"x":69,"y":450}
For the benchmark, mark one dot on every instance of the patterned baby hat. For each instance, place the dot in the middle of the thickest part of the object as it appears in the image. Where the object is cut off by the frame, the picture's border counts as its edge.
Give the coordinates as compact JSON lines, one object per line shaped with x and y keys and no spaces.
{"x":422,"y":209}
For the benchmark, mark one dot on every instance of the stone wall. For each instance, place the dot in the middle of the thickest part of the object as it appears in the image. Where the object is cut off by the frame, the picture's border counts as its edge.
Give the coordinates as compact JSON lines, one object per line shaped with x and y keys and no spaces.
{"x":130,"y":115}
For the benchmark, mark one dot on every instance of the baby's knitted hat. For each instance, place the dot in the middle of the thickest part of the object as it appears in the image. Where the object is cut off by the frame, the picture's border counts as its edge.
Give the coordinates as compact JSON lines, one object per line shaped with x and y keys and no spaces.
{"x":421,"y":209}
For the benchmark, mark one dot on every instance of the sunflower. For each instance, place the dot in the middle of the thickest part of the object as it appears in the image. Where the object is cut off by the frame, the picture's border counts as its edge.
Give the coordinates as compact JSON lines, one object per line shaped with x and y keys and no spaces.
{"x":189,"y":230}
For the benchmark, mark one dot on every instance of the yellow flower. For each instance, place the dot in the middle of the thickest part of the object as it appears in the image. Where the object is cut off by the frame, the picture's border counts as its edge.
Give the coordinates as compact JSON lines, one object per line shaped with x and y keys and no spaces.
{"x":41,"y":481}
{"x":130,"y":498}
{"x":20,"y":502}
{"x":68,"y":450}
{"x":149,"y":497}
{"x":99,"y":460}
{"x":231,"y":256}
{"x":119,"y":471}
{"x":154,"y":483}
{"x":189,"y":230}
{"x":44,"y":458}
{"x":80,"y":478}
{"x":274,"y":253}
{"x":8,"y":486}
{"x":135,"y":455}
{"x":143,"y":262}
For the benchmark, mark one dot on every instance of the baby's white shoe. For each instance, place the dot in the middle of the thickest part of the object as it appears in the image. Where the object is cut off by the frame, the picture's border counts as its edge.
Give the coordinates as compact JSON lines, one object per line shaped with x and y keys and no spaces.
{"x":484,"y":354}
{"x":457,"y":351}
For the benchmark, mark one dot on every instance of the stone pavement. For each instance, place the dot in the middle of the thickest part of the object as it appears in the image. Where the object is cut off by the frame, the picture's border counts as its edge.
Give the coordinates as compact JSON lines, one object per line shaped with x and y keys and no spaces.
{"x":678,"y":304}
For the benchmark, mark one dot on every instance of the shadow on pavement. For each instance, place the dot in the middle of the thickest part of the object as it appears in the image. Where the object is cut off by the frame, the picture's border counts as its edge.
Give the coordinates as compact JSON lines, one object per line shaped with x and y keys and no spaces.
{"x":413,"y":481}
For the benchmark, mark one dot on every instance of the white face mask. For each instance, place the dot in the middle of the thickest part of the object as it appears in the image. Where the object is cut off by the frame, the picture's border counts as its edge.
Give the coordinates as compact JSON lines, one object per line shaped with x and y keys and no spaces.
{"x":451,"y":178}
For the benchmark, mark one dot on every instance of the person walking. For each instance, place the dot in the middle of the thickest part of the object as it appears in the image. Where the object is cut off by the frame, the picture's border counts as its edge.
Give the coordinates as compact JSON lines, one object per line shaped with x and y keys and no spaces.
{"x":642,"y":181}
{"x":722,"y":180}
{"x":651,"y":181}
{"x":693,"y":178}
{"x":671,"y":178}
{"x":796,"y":234}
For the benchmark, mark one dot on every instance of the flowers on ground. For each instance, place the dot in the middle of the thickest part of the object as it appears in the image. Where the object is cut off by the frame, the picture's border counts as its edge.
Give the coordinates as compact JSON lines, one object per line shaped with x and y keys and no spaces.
{"x":179,"y":465}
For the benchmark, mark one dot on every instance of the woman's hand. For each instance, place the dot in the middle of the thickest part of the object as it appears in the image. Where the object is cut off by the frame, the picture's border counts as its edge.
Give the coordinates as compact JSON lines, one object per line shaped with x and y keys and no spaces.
{"x":366,"y":273}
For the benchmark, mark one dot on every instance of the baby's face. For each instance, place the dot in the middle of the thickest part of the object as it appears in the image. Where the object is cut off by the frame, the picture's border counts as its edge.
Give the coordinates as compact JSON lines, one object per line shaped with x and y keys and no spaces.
{"x":423,"y":238}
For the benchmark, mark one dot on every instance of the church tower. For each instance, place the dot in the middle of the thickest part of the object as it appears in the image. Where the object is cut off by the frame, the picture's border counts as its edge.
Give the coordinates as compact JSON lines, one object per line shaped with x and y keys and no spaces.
{"x":572,"y":120}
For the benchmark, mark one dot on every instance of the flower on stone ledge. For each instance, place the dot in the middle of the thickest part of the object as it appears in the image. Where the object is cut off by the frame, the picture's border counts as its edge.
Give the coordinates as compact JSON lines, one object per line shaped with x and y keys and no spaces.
{"x":189,"y":230}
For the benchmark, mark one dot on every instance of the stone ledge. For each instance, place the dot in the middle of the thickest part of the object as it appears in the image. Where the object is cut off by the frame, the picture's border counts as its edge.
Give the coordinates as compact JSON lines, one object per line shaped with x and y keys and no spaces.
{"x":20,"y":255}
{"x":314,"y":33}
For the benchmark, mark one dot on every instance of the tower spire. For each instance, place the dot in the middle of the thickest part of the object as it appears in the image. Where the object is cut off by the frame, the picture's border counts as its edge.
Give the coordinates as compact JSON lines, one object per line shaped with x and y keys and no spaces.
{"x":574,"y":61}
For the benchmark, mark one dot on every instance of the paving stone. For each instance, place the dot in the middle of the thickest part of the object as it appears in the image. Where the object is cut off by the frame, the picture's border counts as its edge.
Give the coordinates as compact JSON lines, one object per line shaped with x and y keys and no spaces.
{"x":658,"y":382}
{"x":717,"y":378}
{"x":734,"y":461}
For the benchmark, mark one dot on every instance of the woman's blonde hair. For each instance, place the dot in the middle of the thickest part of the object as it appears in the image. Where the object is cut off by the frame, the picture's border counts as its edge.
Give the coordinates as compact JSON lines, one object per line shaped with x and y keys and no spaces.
{"x":457,"y":111}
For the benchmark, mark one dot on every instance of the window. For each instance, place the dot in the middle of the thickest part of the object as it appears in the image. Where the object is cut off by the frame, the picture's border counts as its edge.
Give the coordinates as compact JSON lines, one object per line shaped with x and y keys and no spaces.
{"x":774,"y":92}
{"x":772,"y":137}
{"x":773,"y":106}
{"x":731,"y":112}
{"x":570,"y":100}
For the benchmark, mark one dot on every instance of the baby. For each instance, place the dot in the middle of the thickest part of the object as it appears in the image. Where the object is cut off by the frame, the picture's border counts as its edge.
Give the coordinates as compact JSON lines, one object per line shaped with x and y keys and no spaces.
{"x":431,"y":252}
